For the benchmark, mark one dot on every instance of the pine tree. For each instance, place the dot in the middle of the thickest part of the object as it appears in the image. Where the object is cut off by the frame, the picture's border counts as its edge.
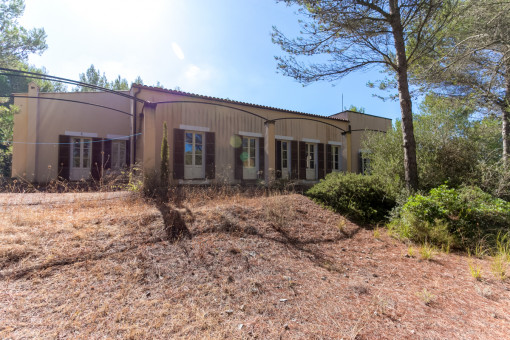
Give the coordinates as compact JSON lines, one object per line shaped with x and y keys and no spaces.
{"x":351,"y":35}
{"x":165,"y":155}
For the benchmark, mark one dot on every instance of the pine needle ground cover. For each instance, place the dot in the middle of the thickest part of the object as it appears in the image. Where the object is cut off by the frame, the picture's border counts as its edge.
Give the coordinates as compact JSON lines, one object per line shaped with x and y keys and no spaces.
{"x":263,"y":267}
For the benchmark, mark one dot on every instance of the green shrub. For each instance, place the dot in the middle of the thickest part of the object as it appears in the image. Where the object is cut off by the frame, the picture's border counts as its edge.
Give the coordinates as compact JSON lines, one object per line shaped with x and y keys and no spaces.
{"x":460,"y":218}
{"x":362,"y":198}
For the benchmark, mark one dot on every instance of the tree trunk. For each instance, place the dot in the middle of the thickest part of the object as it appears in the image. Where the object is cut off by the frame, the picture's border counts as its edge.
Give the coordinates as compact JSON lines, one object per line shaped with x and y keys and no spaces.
{"x":409,"y":143}
{"x":505,"y":119}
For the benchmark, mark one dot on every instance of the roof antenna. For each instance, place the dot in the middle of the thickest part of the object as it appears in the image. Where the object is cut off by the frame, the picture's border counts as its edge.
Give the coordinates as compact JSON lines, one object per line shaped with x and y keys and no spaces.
{"x":343,"y":109}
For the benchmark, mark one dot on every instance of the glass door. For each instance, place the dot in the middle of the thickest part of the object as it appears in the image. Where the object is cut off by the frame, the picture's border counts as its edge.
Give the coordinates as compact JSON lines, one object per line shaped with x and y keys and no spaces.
{"x":81,"y":150}
{"x":285,"y":160}
{"x":310,"y":162}
{"x":193,"y":155}
{"x":249,"y":158}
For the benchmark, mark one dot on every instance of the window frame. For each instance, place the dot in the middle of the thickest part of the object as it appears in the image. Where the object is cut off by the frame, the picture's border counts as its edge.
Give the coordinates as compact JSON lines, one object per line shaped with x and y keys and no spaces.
{"x":118,"y":154}
{"x":310,"y":154}
{"x":247,"y":149}
{"x":336,"y":157}
{"x":285,"y":154}
{"x":82,"y":142}
{"x":194,"y":144}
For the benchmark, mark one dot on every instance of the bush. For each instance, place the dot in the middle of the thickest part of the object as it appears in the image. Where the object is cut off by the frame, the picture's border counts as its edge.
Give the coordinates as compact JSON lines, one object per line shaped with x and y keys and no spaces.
{"x":362,"y":198}
{"x":451,"y":146}
{"x":461,"y":218}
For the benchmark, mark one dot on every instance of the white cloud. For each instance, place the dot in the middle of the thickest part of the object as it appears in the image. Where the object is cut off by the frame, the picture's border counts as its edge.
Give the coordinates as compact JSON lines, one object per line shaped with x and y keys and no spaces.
{"x":178,"y":51}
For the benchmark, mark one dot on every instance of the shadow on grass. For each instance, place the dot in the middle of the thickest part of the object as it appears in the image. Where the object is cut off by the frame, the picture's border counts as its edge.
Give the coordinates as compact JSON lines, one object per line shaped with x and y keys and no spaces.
{"x":308,"y":246}
{"x":174,"y":224}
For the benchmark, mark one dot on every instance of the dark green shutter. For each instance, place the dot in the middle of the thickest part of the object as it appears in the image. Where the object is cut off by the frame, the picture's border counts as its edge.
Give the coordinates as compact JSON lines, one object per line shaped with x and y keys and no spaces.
{"x":294,"y":167}
{"x":262,"y":157}
{"x":238,"y":163}
{"x":128,"y":152}
{"x":64,"y":156}
{"x":97,"y":160}
{"x":178,"y":154}
{"x":107,"y":158}
{"x":302,"y":160}
{"x":210,"y":160}
{"x":320,"y":168}
{"x":360,"y":163}
{"x":279,"y":158}
{"x":329,"y":159}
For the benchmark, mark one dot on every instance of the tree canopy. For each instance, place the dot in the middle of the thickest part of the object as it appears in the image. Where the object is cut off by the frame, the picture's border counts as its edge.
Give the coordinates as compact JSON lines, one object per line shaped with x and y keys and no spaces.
{"x":475,"y":61}
{"x":94,"y":77}
{"x":17,"y":42}
{"x":452,"y":147}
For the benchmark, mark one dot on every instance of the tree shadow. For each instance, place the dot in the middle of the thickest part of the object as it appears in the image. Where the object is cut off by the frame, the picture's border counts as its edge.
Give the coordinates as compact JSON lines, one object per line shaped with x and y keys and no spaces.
{"x":309,"y":246}
{"x":174,"y":224}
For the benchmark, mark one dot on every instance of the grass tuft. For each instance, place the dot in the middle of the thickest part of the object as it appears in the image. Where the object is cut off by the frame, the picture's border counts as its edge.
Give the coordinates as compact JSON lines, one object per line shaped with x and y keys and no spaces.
{"x":427,"y":297}
{"x":475,"y":270}
{"x":427,"y":252}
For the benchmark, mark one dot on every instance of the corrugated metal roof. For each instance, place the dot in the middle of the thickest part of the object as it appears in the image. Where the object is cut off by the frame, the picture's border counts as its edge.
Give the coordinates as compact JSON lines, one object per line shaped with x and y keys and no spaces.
{"x":187,"y":94}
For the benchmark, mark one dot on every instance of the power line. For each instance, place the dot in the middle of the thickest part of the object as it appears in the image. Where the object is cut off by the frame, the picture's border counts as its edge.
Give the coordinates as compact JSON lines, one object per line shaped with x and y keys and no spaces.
{"x":71,"y":101}
{"x":92,"y":141}
{"x":27,"y":74}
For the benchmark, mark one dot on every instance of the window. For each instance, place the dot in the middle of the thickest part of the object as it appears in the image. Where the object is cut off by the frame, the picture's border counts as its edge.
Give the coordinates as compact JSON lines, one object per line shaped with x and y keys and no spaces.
{"x":364,"y":162}
{"x":193,"y":146}
{"x":336,"y":157}
{"x":310,"y":156}
{"x":194,"y":155}
{"x":81,"y":153}
{"x":249,"y":152}
{"x":118,"y":154}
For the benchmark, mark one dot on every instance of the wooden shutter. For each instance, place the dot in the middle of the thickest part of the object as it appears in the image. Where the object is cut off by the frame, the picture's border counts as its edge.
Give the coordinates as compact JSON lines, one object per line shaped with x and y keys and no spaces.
{"x":294,"y":169}
{"x":329,"y":159}
{"x":262,"y":157}
{"x":178,"y":154}
{"x":360,"y":163}
{"x":302,"y":160}
{"x":64,"y":156}
{"x":97,"y":161}
{"x":107,"y":158}
{"x":210,"y":160}
{"x":320,"y":155}
{"x":279,"y":158}
{"x":128,"y":152}
{"x":238,"y":163}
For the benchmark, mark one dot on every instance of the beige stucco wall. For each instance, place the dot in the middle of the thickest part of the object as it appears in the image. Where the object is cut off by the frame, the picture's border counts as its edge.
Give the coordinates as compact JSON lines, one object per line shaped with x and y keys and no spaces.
{"x":41,"y":121}
{"x":360,"y":122}
{"x":226,"y":122}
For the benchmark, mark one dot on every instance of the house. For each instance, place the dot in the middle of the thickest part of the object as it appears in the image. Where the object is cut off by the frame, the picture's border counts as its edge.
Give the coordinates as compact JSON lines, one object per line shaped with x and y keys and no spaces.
{"x":78,"y":135}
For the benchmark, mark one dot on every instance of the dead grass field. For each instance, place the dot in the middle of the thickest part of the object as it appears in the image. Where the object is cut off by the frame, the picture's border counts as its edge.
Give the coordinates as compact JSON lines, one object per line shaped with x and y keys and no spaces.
{"x":259,"y":267}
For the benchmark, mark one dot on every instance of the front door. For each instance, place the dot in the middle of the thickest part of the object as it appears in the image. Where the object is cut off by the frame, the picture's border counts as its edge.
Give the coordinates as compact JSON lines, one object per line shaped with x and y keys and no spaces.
{"x":310,"y":162}
{"x":80,"y":158}
{"x":249,"y":158}
{"x":193,"y":155}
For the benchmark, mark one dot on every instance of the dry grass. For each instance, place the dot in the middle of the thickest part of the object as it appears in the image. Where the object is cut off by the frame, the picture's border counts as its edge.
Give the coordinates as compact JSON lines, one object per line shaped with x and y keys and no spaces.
{"x":262,"y":267}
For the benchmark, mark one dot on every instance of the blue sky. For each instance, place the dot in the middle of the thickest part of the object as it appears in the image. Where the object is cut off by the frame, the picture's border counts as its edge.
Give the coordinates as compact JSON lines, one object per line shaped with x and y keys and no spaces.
{"x":218,"y":48}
